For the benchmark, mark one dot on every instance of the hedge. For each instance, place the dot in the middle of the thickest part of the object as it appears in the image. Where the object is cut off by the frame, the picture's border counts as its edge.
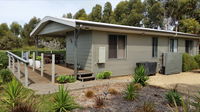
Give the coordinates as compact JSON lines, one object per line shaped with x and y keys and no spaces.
{"x":3,"y":60}
{"x":189,"y":63}
{"x":197,"y":59}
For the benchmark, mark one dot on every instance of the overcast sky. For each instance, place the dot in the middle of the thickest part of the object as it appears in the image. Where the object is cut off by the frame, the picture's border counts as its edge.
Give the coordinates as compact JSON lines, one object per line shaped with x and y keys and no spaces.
{"x":22,"y":10}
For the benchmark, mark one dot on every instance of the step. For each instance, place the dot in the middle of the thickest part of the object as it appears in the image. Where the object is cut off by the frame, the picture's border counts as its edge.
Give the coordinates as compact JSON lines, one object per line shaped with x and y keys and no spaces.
{"x":85,"y":74}
{"x":86,"y":78}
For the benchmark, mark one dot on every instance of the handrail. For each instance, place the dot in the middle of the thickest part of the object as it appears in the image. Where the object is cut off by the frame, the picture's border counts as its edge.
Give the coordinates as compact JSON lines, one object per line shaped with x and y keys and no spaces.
{"x":19,"y":58}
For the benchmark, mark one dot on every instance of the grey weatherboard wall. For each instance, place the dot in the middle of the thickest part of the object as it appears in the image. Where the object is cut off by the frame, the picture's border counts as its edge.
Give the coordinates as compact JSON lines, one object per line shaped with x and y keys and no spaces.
{"x":138,"y":48}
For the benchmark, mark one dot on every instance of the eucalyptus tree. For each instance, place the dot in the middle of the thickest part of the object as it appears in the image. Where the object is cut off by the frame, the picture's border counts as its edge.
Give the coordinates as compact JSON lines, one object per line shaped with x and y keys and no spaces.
{"x":81,"y":14}
{"x":96,"y":14}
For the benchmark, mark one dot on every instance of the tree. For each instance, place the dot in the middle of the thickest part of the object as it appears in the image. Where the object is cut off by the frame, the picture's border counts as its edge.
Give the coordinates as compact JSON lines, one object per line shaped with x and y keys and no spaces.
{"x":27,"y":29}
{"x":81,"y":14}
{"x":121,"y":11}
{"x":68,"y":15}
{"x":15,"y":28}
{"x":189,"y":26}
{"x":96,"y":14}
{"x":154,"y":14}
{"x":3,"y":29}
{"x":108,"y":13}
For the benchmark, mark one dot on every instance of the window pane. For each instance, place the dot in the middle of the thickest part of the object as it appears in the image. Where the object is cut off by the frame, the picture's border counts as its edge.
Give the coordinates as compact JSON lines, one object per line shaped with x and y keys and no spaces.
{"x":121,"y":46}
{"x":175,"y":45}
{"x":112,"y":46}
{"x":154,"y":47}
{"x":189,"y":46}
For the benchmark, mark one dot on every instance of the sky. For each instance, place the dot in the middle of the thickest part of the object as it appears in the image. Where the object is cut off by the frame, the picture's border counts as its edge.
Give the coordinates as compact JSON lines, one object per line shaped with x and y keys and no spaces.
{"x":22,"y":11}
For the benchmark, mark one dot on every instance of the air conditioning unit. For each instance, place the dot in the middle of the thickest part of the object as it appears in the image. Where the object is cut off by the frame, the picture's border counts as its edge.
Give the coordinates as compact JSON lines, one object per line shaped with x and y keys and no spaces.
{"x":102,"y":55}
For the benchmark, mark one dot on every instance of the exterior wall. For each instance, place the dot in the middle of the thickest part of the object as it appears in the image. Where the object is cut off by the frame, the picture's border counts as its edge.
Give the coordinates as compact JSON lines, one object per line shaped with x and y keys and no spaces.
{"x":139,"y":48}
{"x":83,"y":51}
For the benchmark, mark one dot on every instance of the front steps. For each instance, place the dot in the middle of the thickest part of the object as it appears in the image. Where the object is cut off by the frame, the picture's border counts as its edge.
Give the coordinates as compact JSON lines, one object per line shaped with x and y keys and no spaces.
{"x":85,"y":76}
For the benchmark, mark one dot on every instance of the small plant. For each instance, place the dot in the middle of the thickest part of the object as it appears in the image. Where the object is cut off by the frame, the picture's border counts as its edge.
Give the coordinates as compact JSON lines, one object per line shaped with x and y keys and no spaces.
{"x":130,"y":92}
{"x":63,"y":101}
{"x":89,"y":94}
{"x":13,"y":93}
{"x":38,"y":58}
{"x":25,"y":107}
{"x":99,"y":101}
{"x":113,"y":91}
{"x":196,"y":103}
{"x":65,"y":79}
{"x":140,"y":76}
{"x":5,"y":75}
{"x":137,"y":86}
{"x":147,"y":107}
{"x":173,"y":97}
{"x":104,"y":75}
{"x":189,"y":62}
{"x":197,"y":59}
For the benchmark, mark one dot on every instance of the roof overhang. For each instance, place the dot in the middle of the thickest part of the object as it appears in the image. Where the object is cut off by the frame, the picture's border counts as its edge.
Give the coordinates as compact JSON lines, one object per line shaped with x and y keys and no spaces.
{"x":88,"y":25}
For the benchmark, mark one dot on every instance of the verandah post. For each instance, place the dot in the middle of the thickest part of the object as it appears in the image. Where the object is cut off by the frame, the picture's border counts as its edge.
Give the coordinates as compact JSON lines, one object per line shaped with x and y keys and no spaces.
{"x":26,"y":74}
{"x":18,"y":69}
{"x":33,"y":61}
{"x":42,"y":64}
{"x":9,"y":63}
{"x":13,"y":65}
{"x":53,"y":68}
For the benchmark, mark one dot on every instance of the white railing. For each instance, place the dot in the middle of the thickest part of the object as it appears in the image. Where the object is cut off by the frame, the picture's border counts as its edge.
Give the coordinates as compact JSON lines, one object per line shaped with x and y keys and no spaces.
{"x":12,"y":58}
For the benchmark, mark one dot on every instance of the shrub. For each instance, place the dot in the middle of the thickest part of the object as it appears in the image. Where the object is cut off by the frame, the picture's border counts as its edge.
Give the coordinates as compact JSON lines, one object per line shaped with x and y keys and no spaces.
{"x":130,"y":92}
{"x":104,"y":75}
{"x":173,"y":97}
{"x":13,"y":93}
{"x":5,"y":75}
{"x":99,"y":101}
{"x":63,"y":101}
{"x":3,"y":60}
{"x":196,"y":103}
{"x":197,"y":59}
{"x":189,"y":63}
{"x":24,"y":107}
{"x":147,"y":107}
{"x":140,"y":76}
{"x":137,"y":86}
{"x":112,"y":91}
{"x":66,"y":78}
{"x":89,"y":94}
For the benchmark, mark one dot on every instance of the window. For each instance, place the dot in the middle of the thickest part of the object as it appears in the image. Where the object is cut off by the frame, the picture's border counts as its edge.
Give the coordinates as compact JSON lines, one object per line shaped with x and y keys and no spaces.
{"x":189,"y":46}
{"x":154,"y":47}
{"x":117,"y":46}
{"x":173,"y":45}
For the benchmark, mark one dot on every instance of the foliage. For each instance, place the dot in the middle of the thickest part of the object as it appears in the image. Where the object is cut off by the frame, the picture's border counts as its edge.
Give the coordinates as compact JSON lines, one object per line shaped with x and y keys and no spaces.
{"x":140,"y":76}
{"x":104,"y":75}
{"x":197,"y":59}
{"x":108,"y":15}
{"x":112,"y":91}
{"x":63,"y":101}
{"x":196,"y":103}
{"x":5,"y":75}
{"x":189,"y":63}
{"x":130,"y":92}
{"x":173,"y":96}
{"x":96,"y":14}
{"x":66,"y":78}
{"x":189,"y":26}
{"x":68,"y":15}
{"x":81,"y":14}
{"x":15,"y":28}
{"x":3,"y":29}
{"x":147,"y":107}
{"x":137,"y":86}
{"x":13,"y":94}
{"x":99,"y":101}
{"x":10,"y":41}
{"x":38,"y":58}
{"x":3,"y":60}
{"x":24,"y":107}
{"x":89,"y":94}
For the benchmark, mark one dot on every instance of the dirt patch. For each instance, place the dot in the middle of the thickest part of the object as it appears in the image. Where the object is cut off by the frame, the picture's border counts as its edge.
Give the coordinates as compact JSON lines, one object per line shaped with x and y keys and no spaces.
{"x":116,"y":103}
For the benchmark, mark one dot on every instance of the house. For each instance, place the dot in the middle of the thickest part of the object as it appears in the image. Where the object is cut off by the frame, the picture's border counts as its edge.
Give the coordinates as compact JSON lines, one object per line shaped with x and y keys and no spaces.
{"x":99,"y":46}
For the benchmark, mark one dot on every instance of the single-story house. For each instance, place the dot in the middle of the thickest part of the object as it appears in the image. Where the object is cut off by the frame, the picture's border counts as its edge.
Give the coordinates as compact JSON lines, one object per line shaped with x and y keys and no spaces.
{"x":100,"y":47}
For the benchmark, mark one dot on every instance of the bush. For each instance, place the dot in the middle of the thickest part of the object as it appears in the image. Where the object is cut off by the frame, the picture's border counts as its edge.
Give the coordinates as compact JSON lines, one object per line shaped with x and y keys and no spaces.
{"x":3,"y":60}
{"x":63,"y":101}
{"x":89,"y":94}
{"x":197,"y":59}
{"x":112,"y":91}
{"x":140,"y":76}
{"x":130,"y":92}
{"x":189,"y":63}
{"x":66,"y":78}
{"x":173,"y":97}
{"x":25,"y":107}
{"x":104,"y":75}
{"x":147,"y":107}
{"x":5,"y":75}
{"x":137,"y":86}
{"x":99,"y":101}
{"x":196,"y":103}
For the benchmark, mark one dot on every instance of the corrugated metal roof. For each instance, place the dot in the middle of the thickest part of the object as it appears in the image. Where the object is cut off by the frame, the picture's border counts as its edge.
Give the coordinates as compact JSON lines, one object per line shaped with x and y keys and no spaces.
{"x":74,"y":23}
